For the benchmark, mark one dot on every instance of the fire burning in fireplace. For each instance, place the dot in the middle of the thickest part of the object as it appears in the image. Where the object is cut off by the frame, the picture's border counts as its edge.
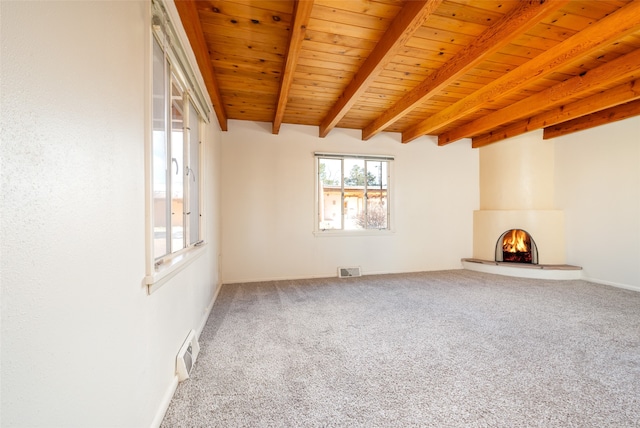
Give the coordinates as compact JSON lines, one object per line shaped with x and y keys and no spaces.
{"x":517,"y":247}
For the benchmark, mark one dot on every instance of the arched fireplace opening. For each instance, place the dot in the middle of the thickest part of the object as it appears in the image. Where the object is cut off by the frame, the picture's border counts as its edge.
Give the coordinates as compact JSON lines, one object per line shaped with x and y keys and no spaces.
{"x":516,"y":246}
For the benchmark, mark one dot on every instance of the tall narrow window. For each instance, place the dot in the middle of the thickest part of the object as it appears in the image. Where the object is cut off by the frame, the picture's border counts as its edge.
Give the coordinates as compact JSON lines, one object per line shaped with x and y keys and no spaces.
{"x":353,"y":192}
{"x":175,"y":148}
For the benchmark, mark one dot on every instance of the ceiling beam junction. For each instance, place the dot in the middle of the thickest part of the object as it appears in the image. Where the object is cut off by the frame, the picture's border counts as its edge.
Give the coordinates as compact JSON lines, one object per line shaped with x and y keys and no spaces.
{"x":523,"y":17}
{"x":405,"y":24}
{"x":607,"y":75}
{"x":602,"y":100}
{"x":621,"y":23}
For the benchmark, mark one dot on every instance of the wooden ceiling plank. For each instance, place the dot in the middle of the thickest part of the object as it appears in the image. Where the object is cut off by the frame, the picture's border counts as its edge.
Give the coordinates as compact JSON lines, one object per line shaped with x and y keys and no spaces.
{"x":219,"y":53}
{"x":358,"y":19}
{"x":378,"y":9}
{"x":347,"y":65}
{"x":339,"y":40}
{"x":244,"y":31}
{"x":301,"y":14}
{"x":609,"y":29}
{"x":349,"y":61}
{"x":275,"y":12}
{"x":272,"y":5}
{"x":337,"y":28}
{"x":408,"y":20}
{"x":594,"y":10}
{"x":603,"y":100}
{"x":223,"y":44}
{"x":328,"y":48}
{"x":520,"y":19}
{"x":251,"y":18}
{"x":470,"y":13}
{"x":616,"y":70}
{"x":317,"y":72}
{"x":192,"y":27}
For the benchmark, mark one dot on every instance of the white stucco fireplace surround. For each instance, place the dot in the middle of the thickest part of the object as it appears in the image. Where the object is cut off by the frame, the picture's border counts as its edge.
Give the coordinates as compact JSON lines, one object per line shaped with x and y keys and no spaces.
{"x":517,"y":192}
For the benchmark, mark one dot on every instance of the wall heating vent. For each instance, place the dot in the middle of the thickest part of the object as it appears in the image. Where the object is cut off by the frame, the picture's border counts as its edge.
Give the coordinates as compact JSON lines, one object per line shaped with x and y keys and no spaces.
{"x":348,"y":272}
{"x":187,"y":356}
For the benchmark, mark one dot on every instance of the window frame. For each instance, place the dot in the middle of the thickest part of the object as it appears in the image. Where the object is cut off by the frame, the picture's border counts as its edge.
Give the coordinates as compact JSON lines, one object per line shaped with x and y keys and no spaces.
{"x":317,"y":203}
{"x":159,"y":269}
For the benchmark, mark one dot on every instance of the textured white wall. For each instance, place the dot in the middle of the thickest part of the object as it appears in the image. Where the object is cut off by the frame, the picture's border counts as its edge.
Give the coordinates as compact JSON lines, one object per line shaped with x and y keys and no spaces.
{"x":598,"y":187}
{"x":83,"y":345}
{"x":268,"y":205}
{"x":517,"y":174}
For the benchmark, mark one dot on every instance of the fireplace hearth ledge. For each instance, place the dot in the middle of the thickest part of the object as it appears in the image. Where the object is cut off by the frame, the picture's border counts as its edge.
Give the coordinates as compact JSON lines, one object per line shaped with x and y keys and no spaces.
{"x":524,"y":270}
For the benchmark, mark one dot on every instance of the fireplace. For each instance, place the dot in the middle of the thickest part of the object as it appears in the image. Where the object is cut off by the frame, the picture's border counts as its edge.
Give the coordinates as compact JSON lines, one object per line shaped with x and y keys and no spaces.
{"x":522,"y":199}
{"x":519,"y":205}
{"x":516,"y":246}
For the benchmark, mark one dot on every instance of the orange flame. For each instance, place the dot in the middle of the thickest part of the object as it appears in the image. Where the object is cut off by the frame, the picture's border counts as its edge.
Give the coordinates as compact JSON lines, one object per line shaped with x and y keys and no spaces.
{"x":516,"y":241}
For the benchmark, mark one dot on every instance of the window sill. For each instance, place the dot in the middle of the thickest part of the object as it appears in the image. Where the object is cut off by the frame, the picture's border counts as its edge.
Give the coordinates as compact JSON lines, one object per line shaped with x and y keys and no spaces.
{"x":163,"y":273}
{"x":338,"y":233}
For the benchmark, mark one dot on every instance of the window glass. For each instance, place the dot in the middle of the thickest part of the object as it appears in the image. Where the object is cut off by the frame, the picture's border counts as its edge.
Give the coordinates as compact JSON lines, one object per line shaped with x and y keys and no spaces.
{"x":177,"y":167}
{"x":175,"y":160}
{"x":159,"y":149}
{"x":330,"y":190}
{"x":377,"y":195}
{"x":353,"y":193}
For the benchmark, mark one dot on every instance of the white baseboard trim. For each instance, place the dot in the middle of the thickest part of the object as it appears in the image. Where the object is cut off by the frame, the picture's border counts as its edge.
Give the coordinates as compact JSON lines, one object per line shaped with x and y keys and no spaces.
{"x":334,"y":275}
{"x":613,"y":284}
{"x":278,"y":278}
{"x":171,"y":390}
{"x":208,"y":309}
{"x":164,"y":404}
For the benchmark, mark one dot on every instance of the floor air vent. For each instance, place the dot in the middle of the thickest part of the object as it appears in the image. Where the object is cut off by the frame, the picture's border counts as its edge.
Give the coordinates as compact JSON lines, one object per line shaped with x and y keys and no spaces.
{"x":187,"y":356}
{"x":348,"y":272}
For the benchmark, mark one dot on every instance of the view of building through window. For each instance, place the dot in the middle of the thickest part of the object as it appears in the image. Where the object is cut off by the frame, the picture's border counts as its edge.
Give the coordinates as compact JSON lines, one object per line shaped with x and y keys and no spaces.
{"x":353,"y":193}
{"x":175,"y":161}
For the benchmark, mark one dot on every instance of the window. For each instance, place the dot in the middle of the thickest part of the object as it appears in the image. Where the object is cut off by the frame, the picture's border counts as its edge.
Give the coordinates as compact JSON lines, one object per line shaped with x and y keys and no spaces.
{"x":353,"y":192}
{"x":177,"y":111}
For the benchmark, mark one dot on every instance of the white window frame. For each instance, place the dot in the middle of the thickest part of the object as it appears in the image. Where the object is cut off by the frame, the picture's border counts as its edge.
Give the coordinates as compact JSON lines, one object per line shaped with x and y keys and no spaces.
{"x":158,"y":270}
{"x":353,"y":232}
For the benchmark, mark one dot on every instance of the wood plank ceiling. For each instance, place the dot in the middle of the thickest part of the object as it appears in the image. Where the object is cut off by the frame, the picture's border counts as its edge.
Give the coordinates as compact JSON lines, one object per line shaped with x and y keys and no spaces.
{"x":480,"y":69}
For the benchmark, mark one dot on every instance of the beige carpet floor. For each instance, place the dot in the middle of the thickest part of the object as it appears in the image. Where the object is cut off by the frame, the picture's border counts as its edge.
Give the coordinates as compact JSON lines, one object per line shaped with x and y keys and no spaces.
{"x":434,"y":349}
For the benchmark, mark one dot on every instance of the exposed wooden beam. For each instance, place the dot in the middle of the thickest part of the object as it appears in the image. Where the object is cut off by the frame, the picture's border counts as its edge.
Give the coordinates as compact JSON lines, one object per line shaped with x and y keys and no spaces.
{"x":301,"y":14}
{"x":524,"y":16}
{"x":606,"y":31}
{"x":405,"y":24}
{"x":191,"y":22}
{"x":624,"y":67}
{"x":600,"y":101}
{"x":613,"y":114}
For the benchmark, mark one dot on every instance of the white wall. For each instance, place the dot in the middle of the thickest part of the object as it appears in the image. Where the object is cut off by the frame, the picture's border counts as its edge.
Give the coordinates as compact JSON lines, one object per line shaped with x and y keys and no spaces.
{"x":517,"y":180}
{"x":83,"y":345}
{"x":268,"y":205}
{"x":598,"y":187}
